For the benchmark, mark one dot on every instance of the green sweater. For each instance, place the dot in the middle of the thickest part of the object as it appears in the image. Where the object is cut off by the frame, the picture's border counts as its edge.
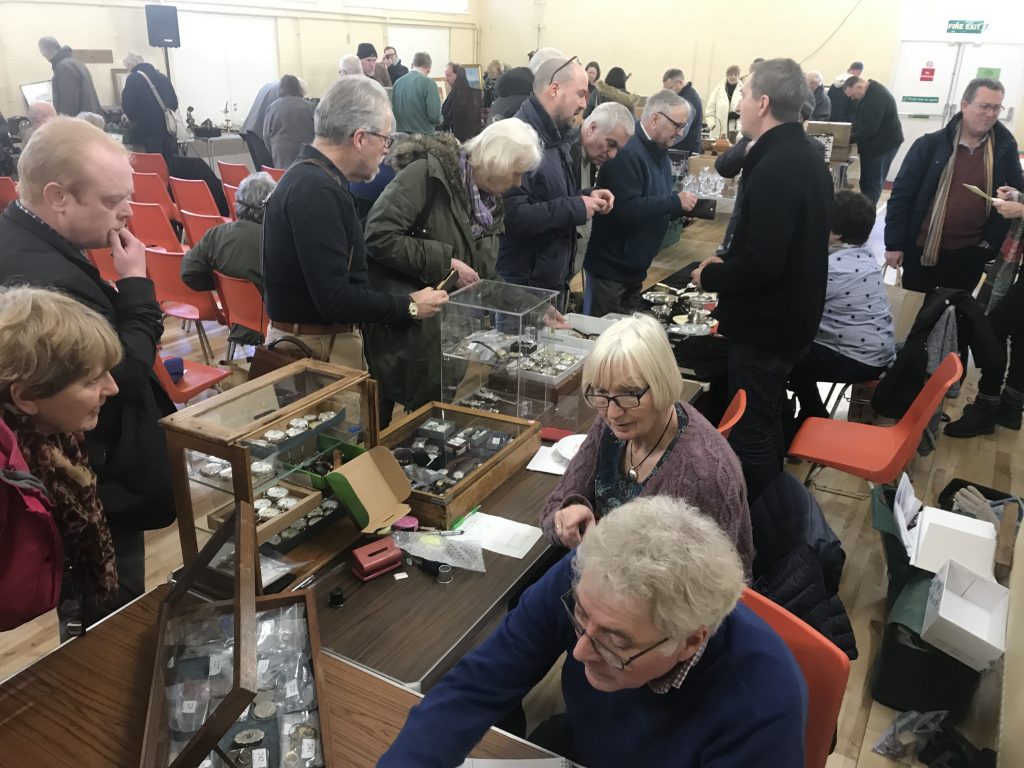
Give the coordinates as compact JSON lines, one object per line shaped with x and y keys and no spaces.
{"x":416,"y":103}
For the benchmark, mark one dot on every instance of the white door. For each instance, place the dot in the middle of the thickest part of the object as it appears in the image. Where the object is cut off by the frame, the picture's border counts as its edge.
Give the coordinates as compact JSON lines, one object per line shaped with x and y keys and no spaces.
{"x":1004,"y":62}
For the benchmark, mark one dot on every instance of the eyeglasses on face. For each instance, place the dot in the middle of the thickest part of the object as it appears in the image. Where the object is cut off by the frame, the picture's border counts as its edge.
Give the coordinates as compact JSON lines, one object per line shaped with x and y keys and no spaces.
{"x":568,"y":61}
{"x":625,"y":401}
{"x":388,"y":140}
{"x":679,"y":126}
{"x":996,"y":109}
{"x":609,"y":656}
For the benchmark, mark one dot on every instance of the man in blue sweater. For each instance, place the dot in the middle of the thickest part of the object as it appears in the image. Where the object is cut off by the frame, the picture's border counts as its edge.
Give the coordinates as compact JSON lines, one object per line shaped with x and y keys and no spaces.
{"x":625,"y":242}
{"x":662,"y":667}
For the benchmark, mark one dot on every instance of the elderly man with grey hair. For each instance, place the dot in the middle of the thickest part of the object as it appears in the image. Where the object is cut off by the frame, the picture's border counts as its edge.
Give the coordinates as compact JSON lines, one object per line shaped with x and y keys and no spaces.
{"x":147,"y":91}
{"x":349,"y":64}
{"x":625,"y":242}
{"x":662,"y":665}
{"x":821,"y":104}
{"x":233,"y":249}
{"x":72,"y":87}
{"x":314,"y":253}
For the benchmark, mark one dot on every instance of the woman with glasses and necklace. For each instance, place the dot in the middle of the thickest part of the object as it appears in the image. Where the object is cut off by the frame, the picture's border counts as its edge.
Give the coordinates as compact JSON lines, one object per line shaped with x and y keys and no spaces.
{"x":645,"y":442}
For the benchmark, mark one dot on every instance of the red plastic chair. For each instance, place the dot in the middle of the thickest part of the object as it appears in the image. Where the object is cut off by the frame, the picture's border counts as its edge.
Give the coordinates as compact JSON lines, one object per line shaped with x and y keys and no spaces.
{"x":197,"y":225}
{"x":733,"y":413}
{"x":275,"y":173}
{"x":826,"y":670}
{"x":194,"y":196}
{"x":103,"y":260}
{"x":232,"y":173}
{"x":876,"y":454}
{"x":147,"y":162}
{"x":177,"y":299}
{"x":198,"y":378}
{"x":242,"y":304}
{"x":150,"y":188}
{"x":149,"y":223}
{"x":229,"y":194}
{"x":8,"y":191}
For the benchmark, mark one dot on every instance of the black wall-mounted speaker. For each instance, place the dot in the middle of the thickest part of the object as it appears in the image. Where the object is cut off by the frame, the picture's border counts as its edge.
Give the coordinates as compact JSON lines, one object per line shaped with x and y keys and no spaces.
{"x":162,"y":23}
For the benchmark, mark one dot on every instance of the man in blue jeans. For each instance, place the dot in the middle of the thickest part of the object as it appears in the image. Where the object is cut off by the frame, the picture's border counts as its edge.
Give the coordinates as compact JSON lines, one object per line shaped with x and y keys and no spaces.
{"x":877,"y":132}
{"x":771,"y":283}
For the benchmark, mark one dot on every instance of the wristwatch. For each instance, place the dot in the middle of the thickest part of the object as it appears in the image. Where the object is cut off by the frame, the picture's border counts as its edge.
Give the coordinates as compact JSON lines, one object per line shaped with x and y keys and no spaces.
{"x":413,"y":310}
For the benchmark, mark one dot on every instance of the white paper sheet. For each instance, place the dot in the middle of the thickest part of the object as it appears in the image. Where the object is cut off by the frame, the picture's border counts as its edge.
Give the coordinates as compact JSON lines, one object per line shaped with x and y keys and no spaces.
{"x":506,"y":537}
{"x":547,"y":459}
{"x":905,"y":509}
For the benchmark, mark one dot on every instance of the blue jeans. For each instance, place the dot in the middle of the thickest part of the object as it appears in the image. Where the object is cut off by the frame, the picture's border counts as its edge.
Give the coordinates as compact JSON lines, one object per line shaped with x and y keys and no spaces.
{"x":757,"y":438}
{"x":873,"y":171}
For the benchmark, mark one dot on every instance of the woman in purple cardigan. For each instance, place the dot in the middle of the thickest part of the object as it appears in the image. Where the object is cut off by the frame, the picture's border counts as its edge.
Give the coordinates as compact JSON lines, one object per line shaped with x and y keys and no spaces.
{"x":645,"y":442}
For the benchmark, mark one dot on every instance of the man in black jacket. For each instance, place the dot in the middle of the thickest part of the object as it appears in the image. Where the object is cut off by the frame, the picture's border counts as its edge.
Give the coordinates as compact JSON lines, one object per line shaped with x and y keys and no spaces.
{"x":843,"y":109}
{"x":691,"y":141}
{"x":942,"y":233}
{"x":876,"y":132}
{"x":149,"y":124}
{"x":625,"y":242}
{"x":75,"y":183}
{"x":541,"y":216}
{"x":771,"y":286}
{"x":314,"y":256}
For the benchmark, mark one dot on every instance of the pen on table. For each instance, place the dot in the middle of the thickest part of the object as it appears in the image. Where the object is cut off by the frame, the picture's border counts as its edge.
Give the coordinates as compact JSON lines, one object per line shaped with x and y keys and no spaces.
{"x":465,"y":517}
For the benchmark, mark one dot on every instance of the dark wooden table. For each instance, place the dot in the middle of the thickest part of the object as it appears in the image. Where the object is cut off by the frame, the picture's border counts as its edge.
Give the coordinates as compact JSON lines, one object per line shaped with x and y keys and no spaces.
{"x":84,"y":705}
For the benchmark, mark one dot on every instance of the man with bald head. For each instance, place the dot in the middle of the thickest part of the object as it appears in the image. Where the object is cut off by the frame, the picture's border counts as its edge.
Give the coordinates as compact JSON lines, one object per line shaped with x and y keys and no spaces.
{"x":541,"y":216}
{"x":74,"y":186}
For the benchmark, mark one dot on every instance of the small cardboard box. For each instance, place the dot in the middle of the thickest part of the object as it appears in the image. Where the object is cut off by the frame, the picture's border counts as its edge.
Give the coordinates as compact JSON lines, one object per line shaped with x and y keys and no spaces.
{"x":966,"y":615}
{"x":373,"y":487}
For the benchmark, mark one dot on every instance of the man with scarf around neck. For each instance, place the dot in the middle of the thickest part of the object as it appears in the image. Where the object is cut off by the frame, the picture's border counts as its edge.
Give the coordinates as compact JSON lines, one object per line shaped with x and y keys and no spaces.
{"x":939,"y":231}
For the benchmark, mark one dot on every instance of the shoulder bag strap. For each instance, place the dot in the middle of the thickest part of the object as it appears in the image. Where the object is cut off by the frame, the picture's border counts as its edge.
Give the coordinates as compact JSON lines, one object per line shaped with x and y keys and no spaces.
{"x":152,"y":87}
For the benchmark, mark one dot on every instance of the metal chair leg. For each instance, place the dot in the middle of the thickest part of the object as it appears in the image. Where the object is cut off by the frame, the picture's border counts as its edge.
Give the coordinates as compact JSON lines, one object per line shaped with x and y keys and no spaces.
{"x":204,"y":342}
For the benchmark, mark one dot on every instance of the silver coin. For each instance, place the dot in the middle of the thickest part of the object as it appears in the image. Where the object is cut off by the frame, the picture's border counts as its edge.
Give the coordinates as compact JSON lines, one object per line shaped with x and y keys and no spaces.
{"x":330,"y":505}
{"x":299,"y":423}
{"x":262,"y":503}
{"x":262,"y":467}
{"x":263,"y":696}
{"x":295,"y":431}
{"x":286,"y":503}
{"x":325,"y":415}
{"x":265,"y":710}
{"x":289,"y":533}
{"x":310,"y":417}
{"x":300,"y":524}
{"x":274,"y":435}
{"x":250,"y":736}
{"x":277,"y":492}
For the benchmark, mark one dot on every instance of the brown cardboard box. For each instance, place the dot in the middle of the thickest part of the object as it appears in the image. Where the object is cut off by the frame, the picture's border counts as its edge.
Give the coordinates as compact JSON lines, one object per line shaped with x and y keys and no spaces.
{"x":373,"y":487}
{"x":697,"y":163}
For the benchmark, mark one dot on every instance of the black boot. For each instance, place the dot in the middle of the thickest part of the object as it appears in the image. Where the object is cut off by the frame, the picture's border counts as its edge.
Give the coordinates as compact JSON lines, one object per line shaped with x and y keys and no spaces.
{"x":1008,"y":414}
{"x":979,"y":418}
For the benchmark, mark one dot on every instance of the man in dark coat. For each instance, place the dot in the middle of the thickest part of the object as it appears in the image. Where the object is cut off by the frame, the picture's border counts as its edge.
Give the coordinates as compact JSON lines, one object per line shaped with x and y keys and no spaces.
{"x":396,"y":68}
{"x":843,"y":107}
{"x":675,"y":81}
{"x":821,"y":104}
{"x":73,"y":91}
{"x":771,"y":285}
{"x":541,"y":216}
{"x":41,"y":240}
{"x":877,"y":132}
{"x":149,"y":124}
{"x":512,"y":89}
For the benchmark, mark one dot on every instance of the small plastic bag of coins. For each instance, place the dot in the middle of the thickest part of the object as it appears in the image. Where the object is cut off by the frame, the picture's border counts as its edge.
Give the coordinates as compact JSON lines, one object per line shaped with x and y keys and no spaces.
{"x":301,"y":741}
{"x":188,"y":705}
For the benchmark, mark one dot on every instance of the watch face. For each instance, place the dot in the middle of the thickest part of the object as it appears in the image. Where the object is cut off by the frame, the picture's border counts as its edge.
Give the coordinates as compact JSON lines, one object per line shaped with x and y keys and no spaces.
{"x":412,"y":309}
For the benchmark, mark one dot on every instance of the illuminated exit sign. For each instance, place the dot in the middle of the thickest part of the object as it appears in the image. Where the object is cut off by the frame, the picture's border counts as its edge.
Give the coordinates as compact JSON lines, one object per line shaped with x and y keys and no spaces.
{"x":961,"y":27}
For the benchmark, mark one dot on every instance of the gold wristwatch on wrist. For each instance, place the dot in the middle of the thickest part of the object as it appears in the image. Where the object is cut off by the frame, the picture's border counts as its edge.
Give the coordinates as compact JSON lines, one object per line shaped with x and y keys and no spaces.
{"x":413,"y":310}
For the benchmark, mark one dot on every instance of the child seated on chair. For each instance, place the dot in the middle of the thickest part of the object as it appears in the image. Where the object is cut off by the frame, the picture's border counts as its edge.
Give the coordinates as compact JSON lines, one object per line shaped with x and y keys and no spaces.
{"x":855,"y":340}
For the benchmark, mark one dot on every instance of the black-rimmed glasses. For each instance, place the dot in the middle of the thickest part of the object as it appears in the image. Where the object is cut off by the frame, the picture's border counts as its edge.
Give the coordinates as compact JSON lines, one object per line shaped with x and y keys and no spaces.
{"x":609,"y":656}
{"x":388,"y":140}
{"x":625,"y":401}
{"x":568,"y":61}
{"x":679,"y":126}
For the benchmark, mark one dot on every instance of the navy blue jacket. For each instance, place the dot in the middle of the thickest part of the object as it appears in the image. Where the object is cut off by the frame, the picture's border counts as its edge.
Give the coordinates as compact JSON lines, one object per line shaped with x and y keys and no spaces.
{"x":918,"y":180}
{"x":624,"y":242}
{"x":742,"y":704}
{"x":692,"y":141}
{"x":141,"y":106}
{"x":541,"y":216}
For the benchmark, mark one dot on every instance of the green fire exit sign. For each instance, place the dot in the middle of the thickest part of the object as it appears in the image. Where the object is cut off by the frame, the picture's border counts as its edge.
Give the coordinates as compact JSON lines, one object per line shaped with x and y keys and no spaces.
{"x":921,"y":99}
{"x":962,"y":27}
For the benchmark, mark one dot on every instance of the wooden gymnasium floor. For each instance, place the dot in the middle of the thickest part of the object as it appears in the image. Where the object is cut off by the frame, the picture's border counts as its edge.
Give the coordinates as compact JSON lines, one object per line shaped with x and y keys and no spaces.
{"x":988,"y":460}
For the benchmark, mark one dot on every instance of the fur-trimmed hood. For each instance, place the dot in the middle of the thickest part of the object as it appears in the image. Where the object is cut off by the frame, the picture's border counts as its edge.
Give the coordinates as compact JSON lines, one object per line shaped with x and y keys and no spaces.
{"x":444,"y":148}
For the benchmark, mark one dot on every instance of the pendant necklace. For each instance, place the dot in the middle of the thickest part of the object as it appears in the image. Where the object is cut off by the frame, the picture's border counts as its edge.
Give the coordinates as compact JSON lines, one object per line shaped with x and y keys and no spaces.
{"x":632,"y":473}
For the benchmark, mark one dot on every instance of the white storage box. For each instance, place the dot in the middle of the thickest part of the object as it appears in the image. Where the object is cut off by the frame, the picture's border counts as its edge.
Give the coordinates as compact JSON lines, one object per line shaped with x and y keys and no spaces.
{"x":966,"y":615}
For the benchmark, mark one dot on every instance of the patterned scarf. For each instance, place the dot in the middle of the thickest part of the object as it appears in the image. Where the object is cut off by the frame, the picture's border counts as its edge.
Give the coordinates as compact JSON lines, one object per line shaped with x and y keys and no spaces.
{"x":930,"y":256}
{"x":481,"y":204}
{"x":59,"y":462}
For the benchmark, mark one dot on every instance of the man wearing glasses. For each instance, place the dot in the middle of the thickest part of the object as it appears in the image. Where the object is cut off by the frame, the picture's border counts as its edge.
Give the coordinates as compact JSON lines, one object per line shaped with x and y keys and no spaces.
{"x":939,"y":230}
{"x":625,"y":242}
{"x":877,"y":132}
{"x":314,"y":255}
{"x":541,"y":215}
{"x":661,"y":666}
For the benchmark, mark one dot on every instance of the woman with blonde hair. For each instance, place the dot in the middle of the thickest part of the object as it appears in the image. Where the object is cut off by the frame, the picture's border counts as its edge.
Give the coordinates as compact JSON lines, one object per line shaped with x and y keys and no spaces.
{"x":645,"y":442}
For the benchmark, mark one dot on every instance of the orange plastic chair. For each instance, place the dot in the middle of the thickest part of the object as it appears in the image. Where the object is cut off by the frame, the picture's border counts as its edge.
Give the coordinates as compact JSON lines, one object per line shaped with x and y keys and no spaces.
{"x":229,"y":194}
{"x":198,"y":378}
{"x":150,"y":188}
{"x":197,"y":225}
{"x":232,"y":173}
{"x":733,"y":413}
{"x":275,"y":173}
{"x":103,"y":260}
{"x":148,"y":162}
{"x":242,"y":303}
{"x":876,"y":454}
{"x":826,"y":670}
{"x":149,"y":223}
{"x":193,"y":196}
{"x":177,"y":299}
{"x":8,"y":191}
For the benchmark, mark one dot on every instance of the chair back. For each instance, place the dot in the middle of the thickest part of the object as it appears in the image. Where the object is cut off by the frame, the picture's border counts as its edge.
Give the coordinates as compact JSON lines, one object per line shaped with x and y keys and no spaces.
{"x":733,"y":413}
{"x":242,"y":302}
{"x":149,"y":162}
{"x":194,"y":196}
{"x":197,"y":225}
{"x":149,"y":223}
{"x":198,"y":378}
{"x":275,"y":173}
{"x":150,"y":188}
{"x":229,"y":195}
{"x":8,"y":191}
{"x":103,"y":260}
{"x":164,"y":269}
{"x":826,"y":670}
{"x":232,"y":173}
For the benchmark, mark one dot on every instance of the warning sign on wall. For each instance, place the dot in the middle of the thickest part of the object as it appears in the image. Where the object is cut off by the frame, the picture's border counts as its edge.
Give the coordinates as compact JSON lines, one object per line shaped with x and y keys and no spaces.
{"x":927,"y":74}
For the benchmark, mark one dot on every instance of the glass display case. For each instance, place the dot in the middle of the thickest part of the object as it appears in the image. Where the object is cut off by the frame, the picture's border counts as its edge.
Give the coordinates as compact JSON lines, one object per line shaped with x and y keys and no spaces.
{"x":495,"y":355}
{"x":268,"y":442}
